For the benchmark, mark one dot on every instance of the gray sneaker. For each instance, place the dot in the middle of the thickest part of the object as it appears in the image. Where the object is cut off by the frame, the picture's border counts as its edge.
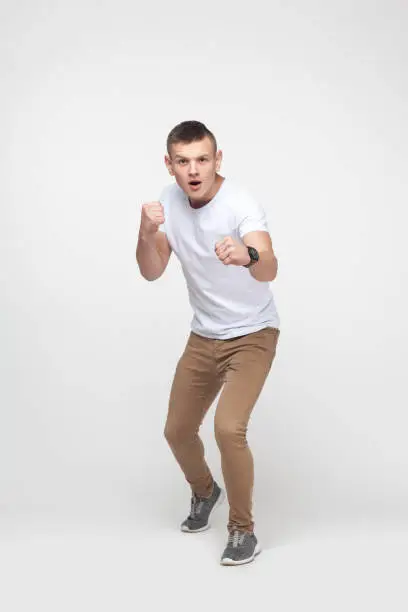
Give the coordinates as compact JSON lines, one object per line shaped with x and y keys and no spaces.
{"x":242,"y":547}
{"x":201,"y":509}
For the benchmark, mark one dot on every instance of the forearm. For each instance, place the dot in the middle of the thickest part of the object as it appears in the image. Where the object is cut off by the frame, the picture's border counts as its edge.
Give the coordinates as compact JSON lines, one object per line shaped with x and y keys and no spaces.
{"x":266,"y":268}
{"x":149,"y":260}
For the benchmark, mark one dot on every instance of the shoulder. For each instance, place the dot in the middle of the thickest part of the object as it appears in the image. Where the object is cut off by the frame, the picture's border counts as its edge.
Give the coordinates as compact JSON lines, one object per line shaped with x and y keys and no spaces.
{"x":170,"y":192}
{"x":249,"y":213}
{"x":240,"y":197}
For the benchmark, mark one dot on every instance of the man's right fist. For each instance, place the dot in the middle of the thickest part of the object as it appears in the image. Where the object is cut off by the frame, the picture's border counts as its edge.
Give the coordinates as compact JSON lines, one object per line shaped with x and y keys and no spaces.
{"x":152,"y":217}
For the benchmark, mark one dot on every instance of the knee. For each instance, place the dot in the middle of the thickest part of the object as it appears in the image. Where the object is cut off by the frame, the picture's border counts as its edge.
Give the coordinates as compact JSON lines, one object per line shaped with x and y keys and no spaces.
{"x":176,"y":434}
{"x":229,"y":433}
{"x":171,"y":433}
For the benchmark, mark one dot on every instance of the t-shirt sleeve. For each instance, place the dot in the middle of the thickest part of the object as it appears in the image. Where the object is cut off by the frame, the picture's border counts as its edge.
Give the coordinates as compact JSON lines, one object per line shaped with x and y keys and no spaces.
{"x":252,"y":217}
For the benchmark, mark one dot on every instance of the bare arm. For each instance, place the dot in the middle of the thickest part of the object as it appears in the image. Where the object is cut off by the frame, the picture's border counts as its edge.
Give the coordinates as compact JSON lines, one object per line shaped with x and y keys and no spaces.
{"x":234,"y":252}
{"x":266,"y":268}
{"x":152,"y":254}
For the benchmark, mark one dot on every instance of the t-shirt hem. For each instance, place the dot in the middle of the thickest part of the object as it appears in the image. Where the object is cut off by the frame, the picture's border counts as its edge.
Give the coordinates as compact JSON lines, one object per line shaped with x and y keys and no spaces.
{"x":243,"y":331}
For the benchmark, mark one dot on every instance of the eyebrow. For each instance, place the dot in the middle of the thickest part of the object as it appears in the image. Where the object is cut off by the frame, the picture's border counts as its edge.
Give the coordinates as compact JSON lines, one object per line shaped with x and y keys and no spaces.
{"x":185,"y":156}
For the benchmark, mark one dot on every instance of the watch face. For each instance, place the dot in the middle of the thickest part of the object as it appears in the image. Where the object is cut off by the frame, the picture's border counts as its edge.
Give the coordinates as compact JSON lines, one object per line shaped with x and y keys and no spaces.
{"x":253,"y":253}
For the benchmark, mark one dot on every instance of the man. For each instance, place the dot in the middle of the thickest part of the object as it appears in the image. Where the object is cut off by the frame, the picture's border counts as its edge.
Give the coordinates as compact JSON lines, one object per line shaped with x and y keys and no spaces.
{"x":220,"y":235}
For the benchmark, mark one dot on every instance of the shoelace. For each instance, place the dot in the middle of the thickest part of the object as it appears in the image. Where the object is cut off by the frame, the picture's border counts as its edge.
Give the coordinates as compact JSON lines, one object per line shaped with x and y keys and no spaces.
{"x":196,"y":505}
{"x":236,"y":537}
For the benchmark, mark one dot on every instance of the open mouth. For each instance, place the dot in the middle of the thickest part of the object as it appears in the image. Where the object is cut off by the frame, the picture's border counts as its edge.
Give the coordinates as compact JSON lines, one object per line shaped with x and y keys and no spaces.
{"x":195,"y":184}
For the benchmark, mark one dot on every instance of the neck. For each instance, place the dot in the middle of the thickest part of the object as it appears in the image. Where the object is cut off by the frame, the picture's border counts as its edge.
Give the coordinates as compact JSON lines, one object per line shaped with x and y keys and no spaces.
{"x":217,"y":184}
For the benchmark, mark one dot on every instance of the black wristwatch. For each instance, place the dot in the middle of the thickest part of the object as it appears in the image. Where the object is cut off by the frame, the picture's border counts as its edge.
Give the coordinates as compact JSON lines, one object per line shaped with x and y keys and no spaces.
{"x":254,"y":255}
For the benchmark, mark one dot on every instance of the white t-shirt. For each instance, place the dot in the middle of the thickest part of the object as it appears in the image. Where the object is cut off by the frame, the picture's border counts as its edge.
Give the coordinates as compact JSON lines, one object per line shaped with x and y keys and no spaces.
{"x":227,"y":301}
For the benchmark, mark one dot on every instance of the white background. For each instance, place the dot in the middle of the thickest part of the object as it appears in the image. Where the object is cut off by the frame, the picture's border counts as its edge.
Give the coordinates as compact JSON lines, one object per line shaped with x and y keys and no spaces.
{"x":308,"y":101}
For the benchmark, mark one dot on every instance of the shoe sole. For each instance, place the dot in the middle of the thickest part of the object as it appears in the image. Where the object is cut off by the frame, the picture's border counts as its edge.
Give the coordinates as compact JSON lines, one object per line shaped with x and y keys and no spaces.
{"x":228,"y":561}
{"x":219,"y":501}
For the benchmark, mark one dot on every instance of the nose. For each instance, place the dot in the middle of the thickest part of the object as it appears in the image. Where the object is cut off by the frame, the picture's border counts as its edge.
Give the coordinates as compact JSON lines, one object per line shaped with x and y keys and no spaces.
{"x":192,"y":169}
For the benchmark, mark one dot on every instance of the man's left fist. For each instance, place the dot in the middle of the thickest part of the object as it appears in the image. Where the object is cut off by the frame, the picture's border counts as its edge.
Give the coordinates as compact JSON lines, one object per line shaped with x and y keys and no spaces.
{"x":231,"y":252}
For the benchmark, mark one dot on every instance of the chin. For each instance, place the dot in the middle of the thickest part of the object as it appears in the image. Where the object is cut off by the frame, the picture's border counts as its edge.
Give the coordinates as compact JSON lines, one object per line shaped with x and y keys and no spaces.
{"x":197,"y":195}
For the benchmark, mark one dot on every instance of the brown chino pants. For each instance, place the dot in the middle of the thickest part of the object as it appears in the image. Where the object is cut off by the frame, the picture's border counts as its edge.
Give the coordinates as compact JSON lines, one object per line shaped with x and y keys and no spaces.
{"x":239,"y":365}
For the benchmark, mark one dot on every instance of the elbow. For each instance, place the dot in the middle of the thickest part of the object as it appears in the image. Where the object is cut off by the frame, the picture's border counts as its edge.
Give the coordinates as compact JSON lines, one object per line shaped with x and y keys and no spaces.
{"x":275,"y":270}
{"x":268,"y":273}
{"x":150,"y":277}
{"x":272,"y":273}
{"x":143,"y":274}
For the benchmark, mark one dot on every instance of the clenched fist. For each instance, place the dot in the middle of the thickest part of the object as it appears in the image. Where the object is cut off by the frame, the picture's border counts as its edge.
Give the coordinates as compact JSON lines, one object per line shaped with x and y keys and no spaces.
{"x":152,"y":217}
{"x":231,"y":252}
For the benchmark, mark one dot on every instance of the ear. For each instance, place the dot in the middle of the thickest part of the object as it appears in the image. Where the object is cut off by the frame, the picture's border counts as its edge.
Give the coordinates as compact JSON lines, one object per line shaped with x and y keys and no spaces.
{"x":218,"y":160}
{"x":167,"y":161}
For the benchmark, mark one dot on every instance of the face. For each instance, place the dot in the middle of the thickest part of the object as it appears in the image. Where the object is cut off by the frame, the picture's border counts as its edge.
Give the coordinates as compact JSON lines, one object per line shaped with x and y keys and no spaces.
{"x":195,"y":166}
